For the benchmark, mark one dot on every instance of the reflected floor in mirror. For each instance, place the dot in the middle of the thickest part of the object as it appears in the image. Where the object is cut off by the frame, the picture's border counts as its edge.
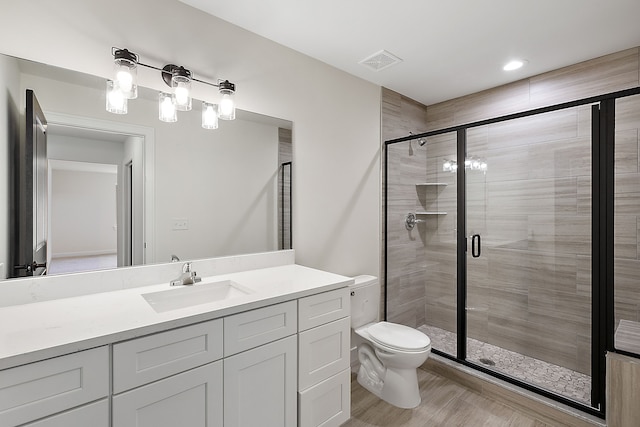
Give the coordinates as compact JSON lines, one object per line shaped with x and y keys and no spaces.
{"x":444,"y":403}
{"x":82,"y":263}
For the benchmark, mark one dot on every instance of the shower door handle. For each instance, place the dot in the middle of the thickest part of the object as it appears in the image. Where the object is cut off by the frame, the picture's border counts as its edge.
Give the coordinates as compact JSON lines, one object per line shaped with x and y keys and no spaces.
{"x":476,"y":246}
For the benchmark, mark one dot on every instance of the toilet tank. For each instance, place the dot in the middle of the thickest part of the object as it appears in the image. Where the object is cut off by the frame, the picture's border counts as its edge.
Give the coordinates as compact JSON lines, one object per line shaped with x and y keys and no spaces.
{"x":365,"y":300}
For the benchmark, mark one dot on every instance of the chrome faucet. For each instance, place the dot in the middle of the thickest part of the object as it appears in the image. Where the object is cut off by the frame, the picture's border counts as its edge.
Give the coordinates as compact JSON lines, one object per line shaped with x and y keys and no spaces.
{"x":187,"y":277}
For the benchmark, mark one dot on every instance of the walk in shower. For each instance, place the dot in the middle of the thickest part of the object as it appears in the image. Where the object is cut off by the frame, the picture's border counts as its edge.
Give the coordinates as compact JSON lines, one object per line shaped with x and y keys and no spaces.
{"x":500,"y":242}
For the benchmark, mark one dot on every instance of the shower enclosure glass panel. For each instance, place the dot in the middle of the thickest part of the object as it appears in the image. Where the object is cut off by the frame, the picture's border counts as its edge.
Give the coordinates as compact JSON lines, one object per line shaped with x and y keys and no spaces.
{"x":626,"y":225}
{"x":528,"y":227}
{"x":421,"y":237}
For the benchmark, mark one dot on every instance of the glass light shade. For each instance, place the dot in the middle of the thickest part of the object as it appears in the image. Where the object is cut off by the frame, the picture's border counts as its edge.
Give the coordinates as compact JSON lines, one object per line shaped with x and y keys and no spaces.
{"x":116,"y":101}
{"x":167,"y":108}
{"x":227,"y":108}
{"x":209,"y":115}
{"x":126,"y":74}
{"x":182,"y":90}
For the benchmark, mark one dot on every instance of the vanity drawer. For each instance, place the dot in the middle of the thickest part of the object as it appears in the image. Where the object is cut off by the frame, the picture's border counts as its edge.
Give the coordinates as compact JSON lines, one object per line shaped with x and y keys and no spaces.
{"x":323,"y":308}
{"x":44,"y":388}
{"x":257,"y":327}
{"x":323,"y":351}
{"x":147,"y":359}
{"x":327,"y":404}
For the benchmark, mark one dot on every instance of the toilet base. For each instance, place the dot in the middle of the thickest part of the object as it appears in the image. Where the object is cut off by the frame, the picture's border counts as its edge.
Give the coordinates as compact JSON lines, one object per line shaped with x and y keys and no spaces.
{"x":396,"y":386}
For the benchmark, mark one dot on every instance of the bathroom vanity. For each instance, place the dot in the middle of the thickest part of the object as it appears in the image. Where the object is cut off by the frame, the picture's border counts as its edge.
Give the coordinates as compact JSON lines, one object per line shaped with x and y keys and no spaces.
{"x":260,"y":347}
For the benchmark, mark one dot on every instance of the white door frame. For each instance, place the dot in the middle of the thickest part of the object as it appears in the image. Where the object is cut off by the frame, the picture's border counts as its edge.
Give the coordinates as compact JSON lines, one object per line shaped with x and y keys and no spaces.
{"x":148,"y":152}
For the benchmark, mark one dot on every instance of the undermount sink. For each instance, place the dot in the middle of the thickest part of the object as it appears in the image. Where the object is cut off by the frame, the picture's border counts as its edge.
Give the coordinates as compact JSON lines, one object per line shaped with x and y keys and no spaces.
{"x":187,"y":296}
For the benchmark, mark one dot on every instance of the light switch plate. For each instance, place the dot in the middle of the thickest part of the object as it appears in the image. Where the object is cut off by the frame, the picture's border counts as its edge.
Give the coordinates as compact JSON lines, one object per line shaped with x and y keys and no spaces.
{"x":180,"y":224}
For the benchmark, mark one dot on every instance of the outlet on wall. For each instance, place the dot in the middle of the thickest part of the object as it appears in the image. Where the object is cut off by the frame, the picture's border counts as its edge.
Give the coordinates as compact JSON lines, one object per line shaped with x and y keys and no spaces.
{"x":180,"y":224}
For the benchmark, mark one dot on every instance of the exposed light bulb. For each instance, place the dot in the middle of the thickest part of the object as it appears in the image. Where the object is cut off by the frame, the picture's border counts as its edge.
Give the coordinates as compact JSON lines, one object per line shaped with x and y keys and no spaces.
{"x":116,"y":101}
{"x":227,"y":108}
{"x":209,"y":115}
{"x":125,"y":80}
{"x":182,"y":95}
{"x":167,"y":108}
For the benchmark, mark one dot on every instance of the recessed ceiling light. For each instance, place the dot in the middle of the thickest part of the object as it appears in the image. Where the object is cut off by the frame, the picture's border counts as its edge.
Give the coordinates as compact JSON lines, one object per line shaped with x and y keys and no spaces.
{"x":514,"y":64}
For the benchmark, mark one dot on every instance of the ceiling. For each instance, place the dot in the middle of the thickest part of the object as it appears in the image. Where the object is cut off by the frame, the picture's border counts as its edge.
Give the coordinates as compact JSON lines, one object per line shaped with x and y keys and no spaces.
{"x":449,"y":48}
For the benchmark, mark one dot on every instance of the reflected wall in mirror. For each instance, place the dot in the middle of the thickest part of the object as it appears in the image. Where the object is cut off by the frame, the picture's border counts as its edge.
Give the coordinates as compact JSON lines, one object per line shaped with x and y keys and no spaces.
{"x":130,"y":189}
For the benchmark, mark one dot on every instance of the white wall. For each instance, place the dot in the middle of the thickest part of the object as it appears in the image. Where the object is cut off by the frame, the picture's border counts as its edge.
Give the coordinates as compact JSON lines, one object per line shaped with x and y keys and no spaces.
{"x":83,"y":213}
{"x":336,"y":116}
{"x":9,"y":120}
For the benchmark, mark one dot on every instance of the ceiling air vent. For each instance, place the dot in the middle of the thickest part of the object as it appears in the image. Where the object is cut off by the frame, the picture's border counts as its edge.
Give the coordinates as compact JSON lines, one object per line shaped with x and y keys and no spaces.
{"x":380,"y":60}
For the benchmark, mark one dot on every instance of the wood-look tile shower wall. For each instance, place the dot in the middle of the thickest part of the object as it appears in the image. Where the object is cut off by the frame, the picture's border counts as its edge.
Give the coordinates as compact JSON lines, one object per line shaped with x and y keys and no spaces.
{"x":530,"y":291}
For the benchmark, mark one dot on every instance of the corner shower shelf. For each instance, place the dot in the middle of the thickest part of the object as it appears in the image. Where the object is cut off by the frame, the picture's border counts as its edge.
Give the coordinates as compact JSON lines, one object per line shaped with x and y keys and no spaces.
{"x":431,"y":213}
{"x":431,"y":184}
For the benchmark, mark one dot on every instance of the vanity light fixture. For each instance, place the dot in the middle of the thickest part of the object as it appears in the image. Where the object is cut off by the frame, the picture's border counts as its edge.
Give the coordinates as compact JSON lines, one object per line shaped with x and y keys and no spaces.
{"x":125,"y":87}
{"x":126,"y":72}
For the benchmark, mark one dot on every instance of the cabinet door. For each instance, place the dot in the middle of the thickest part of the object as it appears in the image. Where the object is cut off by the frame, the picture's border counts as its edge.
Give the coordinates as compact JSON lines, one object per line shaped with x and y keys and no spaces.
{"x":260,"y":386}
{"x":192,"y":398}
{"x":94,"y":415}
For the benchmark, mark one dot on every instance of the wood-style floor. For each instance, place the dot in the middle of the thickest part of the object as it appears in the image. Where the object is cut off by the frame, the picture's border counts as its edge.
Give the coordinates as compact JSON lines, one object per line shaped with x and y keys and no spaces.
{"x":444,"y":403}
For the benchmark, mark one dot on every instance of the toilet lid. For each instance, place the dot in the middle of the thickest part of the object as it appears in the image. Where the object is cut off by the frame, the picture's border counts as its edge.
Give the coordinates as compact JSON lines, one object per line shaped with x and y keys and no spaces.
{"x":398,"y":336}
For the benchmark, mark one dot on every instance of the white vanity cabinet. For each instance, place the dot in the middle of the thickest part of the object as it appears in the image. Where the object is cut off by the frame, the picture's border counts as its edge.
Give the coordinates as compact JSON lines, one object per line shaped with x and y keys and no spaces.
{"x":279,"y":365}
{"x":41,"y":389}
{"x":324,"y":379}
{"x":260,"y":374}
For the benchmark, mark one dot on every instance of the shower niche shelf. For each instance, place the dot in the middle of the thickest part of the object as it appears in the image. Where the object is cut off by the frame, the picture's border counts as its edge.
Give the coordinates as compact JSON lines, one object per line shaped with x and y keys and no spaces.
{"x":431,"y":184}
{"x":431,"y":213}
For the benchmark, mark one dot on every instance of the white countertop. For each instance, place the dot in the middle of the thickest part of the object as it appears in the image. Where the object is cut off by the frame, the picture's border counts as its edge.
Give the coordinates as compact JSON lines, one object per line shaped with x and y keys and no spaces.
{"x":42,"y":330}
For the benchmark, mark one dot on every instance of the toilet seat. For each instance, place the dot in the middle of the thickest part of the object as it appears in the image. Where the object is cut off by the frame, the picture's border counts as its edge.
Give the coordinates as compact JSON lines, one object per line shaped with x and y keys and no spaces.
{"x":398,"y":337}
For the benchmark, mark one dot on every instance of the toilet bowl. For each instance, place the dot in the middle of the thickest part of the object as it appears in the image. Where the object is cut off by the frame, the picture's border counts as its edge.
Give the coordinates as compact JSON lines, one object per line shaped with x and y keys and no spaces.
{"x":390,"y":353}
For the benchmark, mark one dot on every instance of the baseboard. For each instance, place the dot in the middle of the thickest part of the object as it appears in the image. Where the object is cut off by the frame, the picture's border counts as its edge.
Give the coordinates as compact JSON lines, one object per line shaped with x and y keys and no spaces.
{"x":539,"y":407}
{"x":83,"y":254}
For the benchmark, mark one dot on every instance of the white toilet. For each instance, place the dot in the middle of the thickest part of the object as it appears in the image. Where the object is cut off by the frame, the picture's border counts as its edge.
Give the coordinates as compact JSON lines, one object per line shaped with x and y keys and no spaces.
{"x":390,"y":353}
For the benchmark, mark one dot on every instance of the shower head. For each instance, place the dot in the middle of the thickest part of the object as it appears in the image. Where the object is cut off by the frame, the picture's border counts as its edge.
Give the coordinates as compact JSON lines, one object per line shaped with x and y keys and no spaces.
{"x":421,"y":141}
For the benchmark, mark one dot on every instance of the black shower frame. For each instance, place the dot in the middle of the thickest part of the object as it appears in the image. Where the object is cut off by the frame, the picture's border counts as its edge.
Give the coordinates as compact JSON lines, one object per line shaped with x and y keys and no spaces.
{"x":603,"y":178}
{"x":289,"y":166}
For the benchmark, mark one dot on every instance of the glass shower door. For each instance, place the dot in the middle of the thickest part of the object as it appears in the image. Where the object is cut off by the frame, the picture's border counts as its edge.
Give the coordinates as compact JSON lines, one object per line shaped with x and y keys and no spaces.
{"x":528,"y":229}
{"x":420,"y":230}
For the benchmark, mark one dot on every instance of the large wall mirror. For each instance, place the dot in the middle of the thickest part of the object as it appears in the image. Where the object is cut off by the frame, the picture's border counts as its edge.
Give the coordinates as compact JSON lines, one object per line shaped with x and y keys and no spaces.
{"x":129,"y":189}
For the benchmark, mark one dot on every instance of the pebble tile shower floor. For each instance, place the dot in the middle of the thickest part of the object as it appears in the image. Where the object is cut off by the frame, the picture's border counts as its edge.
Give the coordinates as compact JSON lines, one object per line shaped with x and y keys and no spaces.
{"x":563,"y":381}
